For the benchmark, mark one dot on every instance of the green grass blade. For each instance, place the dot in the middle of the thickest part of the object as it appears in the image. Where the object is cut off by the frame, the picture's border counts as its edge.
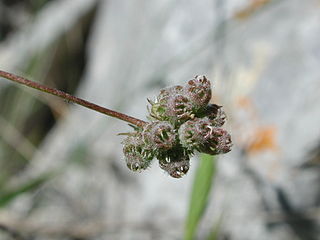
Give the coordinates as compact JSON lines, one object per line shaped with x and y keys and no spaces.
{"x":7,"y":196}
{"x":214,"y":234}
{"x":200,"y":194}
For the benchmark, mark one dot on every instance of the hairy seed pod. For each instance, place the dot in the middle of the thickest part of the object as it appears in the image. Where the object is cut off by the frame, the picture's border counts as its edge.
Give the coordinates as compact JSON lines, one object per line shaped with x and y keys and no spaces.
{"x":201,"y":135}
{"x":159,"y":106}
{"x":215,"y":114}
{"x":179,"y":109}
{"x":219,"y":144}
{"x":198,"y":90}
{"x":138,"y":156}
{"x":194,"y":133}
{"x":176,"y":169}
{"x":175,"y":162}
{"x":172,"y":105}
{"x":159,"y":135}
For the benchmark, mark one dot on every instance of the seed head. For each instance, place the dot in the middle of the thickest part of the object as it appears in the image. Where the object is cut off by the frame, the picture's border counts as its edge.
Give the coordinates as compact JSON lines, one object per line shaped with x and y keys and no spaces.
{"x":182,"y":122}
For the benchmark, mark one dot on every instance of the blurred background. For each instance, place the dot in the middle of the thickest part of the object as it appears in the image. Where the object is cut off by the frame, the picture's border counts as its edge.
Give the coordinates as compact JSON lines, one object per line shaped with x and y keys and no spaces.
{"x":63,"y":175}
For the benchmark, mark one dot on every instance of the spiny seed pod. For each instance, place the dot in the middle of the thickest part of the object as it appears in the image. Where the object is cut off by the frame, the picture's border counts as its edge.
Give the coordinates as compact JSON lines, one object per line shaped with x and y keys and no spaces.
{"x":176,"y":162}
{"x":159,"y":135}
{"x":159,"y":106}
{"x":221,"y":143}
{"x":199,"y":134}
{"x":179,"y":109}
{"x":215,"y":114}
{"x":172,"y":105}
{"x":198,"y":90}
{"x":176,"y":169}
{"x":194,"y":133}
{"x":138,"y":156}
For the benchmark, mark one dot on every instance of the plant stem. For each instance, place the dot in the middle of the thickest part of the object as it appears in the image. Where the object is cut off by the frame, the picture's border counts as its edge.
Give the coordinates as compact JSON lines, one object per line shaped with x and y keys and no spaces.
{"x":70,"y":98}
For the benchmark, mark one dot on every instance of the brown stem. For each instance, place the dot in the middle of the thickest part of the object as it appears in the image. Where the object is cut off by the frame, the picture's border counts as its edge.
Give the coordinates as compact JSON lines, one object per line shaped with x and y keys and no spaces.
{"x":68,"y":97}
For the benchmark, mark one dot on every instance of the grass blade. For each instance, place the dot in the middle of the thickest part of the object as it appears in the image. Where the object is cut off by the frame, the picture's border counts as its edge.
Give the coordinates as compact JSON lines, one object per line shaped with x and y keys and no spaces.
{"x":200,"y":194}
{"x":7,"y":196}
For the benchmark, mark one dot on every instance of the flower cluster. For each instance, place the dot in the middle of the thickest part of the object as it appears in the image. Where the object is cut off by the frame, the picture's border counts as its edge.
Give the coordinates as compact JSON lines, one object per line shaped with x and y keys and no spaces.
{"x":181,"y":122}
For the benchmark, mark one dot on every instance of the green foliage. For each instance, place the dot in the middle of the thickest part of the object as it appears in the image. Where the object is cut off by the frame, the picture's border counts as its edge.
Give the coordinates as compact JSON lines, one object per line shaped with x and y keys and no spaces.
{"x":200,"y":194}
{"x":214,"y":234}
{"x":6,"y":196}
{"x":79,"y":154}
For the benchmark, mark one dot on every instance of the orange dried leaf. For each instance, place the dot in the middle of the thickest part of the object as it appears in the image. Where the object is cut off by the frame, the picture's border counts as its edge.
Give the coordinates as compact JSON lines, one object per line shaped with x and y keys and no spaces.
{"x":244,"y":102}
{"x":254,"y":6}
{"x":264,"y":139}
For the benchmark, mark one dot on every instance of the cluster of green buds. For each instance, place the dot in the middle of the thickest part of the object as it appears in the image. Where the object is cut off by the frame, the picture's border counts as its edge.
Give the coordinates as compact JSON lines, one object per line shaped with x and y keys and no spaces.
{"x":181,"y":122}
